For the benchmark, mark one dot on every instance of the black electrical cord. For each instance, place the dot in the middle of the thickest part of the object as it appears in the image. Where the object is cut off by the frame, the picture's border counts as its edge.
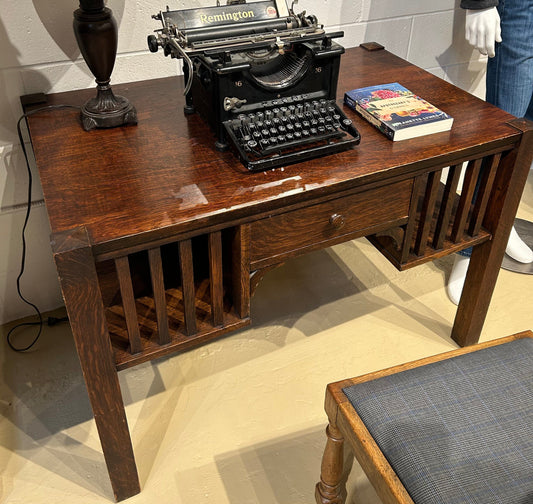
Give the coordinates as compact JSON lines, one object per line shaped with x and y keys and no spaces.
{"x":51,"y":320}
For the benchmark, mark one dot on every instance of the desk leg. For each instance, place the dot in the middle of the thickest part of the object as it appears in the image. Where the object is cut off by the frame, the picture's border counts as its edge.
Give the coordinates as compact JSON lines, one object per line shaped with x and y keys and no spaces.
{"x":81,"y":293}
{"x":487,"y":258}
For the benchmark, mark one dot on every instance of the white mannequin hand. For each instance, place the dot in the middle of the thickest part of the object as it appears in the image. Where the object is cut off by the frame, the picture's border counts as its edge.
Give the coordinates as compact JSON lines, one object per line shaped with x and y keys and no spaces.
{"x":482,"y":29}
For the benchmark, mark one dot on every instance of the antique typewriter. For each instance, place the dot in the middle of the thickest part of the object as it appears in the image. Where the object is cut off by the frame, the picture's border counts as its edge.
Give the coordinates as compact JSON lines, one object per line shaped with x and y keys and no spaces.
{"x":263,"y":77}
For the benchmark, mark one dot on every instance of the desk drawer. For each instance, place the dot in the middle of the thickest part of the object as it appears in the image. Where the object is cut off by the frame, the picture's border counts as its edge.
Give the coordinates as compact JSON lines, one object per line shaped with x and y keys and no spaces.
{"x":281,"y":236}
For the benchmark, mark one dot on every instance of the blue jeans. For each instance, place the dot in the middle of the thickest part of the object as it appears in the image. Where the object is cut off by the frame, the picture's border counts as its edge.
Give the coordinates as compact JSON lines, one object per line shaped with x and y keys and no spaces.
{"x":510,"y":73}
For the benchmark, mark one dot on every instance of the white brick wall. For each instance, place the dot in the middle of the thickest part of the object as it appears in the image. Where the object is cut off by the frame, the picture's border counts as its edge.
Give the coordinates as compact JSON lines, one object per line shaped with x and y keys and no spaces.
{"x":39,"y":54}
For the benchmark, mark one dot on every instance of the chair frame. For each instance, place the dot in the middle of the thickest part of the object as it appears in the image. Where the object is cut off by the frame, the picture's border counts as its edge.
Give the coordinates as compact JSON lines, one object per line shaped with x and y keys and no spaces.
{"x":345,"y":424}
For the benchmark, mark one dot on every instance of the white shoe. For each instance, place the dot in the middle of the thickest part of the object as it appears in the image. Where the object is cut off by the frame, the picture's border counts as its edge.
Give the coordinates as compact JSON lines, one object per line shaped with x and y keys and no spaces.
{"x":517,"y":249}
{"x":457,"y":278}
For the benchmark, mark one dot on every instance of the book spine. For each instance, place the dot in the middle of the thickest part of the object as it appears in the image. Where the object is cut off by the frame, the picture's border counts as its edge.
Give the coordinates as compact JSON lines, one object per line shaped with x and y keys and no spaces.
{"x":386,"y":130}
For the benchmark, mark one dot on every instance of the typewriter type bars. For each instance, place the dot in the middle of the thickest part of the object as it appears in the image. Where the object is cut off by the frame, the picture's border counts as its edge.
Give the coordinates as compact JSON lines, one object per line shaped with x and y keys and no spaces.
{"x":263,"y":77}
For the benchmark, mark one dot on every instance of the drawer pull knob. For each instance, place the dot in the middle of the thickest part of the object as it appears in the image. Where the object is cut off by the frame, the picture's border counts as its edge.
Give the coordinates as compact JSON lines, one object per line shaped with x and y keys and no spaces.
{"x":337,"y":221}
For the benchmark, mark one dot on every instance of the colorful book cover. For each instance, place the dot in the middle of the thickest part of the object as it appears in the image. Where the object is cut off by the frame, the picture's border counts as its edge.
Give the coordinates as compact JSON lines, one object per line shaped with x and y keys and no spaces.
{"x":397,"y":112}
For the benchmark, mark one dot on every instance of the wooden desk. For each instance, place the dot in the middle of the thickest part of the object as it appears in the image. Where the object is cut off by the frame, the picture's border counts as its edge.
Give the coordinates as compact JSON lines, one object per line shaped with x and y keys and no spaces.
{"x":159,"y":239}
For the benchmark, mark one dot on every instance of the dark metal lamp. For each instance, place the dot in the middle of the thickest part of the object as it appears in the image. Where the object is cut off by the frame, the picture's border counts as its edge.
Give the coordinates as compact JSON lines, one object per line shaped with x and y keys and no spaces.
{"x":96,"y":33}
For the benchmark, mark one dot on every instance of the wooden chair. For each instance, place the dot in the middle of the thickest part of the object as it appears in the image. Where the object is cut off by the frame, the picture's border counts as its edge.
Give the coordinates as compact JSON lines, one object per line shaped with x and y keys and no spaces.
{"x":449,"y":429}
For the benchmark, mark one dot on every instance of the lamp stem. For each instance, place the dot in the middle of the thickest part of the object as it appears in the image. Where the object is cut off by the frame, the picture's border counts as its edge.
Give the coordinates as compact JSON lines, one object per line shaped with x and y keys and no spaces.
{"x":96,"y":31}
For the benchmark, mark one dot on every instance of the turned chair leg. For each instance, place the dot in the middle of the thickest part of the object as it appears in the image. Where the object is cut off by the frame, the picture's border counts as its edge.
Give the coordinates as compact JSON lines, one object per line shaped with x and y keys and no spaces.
{"x":330,"y":489}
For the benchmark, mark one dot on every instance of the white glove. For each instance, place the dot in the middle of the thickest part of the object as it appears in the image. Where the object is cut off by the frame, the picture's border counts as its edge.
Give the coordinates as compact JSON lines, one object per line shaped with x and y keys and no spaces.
{"x":482,"y":29}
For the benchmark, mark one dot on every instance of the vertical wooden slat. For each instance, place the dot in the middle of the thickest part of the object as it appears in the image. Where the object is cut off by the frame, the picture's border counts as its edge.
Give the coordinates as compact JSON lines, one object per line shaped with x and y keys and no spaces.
{"x":241,"y":270}
{"x":128,"y":303}
{"x":467,"y":193}
{"x":158,"y":287}
{"x":187,"y":281}
{"x":215,"y":276}
{"x":448,"y":198}
{"x":408,"y":236}
{"x":426,"y":215}
{"x":489,"y":173}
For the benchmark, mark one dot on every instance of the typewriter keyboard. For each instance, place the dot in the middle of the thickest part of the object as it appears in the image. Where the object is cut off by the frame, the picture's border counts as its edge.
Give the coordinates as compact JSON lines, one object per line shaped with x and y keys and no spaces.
{"x":291,"y":131}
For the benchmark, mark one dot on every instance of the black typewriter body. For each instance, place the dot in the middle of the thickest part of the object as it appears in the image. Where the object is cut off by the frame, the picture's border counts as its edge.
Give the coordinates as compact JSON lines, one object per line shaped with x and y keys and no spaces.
{"x":266,"y":87}
{"x":315,"y":77}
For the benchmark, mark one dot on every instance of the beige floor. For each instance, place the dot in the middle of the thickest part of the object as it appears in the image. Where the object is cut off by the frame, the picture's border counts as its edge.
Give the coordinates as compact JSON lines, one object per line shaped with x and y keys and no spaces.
{"x":240,"y":420}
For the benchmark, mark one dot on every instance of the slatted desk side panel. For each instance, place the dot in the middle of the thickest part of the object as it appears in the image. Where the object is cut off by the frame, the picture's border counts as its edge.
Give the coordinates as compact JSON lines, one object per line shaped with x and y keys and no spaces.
{"x":175,"y":296}
{"x":448,"y":207}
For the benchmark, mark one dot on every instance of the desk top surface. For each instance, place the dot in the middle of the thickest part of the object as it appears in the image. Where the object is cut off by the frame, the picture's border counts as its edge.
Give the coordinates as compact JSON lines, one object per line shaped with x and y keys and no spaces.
{"x":164,"y":176}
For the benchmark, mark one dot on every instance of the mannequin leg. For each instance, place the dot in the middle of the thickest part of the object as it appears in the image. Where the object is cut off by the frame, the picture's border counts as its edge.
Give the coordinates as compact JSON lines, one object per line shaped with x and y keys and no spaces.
{"x":510,"y":81}
{"x":509,"y":87}
{"x":510,"y":73}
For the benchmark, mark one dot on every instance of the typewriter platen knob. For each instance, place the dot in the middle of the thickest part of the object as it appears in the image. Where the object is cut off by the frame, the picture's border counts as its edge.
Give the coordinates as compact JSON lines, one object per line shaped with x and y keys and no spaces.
{"x":152,"y":43}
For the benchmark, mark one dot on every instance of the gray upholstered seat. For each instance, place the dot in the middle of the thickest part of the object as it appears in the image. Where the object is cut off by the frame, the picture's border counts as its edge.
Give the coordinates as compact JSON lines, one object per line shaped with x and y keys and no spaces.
{"x":459,"y":430}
